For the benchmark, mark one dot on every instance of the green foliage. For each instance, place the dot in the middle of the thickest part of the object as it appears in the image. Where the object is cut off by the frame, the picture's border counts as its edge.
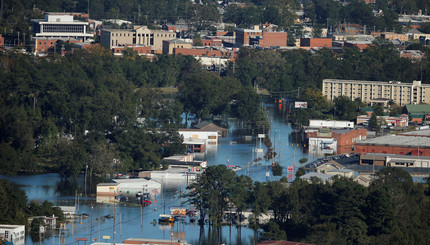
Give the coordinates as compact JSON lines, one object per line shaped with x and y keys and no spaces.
{"x":272,"y":231}
{"x":13,"y":204}
{"x":300,"y":172}
{"x":303,"y":160}
{"x":36,"y":208}
{"x":277,"y":170}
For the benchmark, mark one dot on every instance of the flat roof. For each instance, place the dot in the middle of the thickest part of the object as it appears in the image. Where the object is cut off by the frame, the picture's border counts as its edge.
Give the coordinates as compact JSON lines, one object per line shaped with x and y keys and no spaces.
{"x":424,"y":132}
{"x":195,"y":130}
{"x":108,"y":184}
{"x":398,"y":140}
{"x":323,"y":177}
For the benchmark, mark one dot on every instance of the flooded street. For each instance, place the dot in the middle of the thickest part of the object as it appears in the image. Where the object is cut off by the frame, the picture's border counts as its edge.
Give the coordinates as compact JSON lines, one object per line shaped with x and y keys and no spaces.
{"x":131,"y":221}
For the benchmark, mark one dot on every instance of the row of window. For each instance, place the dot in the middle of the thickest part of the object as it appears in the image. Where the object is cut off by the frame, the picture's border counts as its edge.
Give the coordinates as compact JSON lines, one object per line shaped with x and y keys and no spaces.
{"x":64,"y":28}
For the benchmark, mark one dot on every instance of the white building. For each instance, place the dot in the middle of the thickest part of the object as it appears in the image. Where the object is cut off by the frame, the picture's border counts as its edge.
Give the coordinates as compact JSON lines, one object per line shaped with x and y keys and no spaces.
{"x":60,"y":25}
{"x":321,"y":146}
{"x":13,"y":233}
{"x":330,"y":124}
{"x":132,"y":186}
{"x":210,"y":136}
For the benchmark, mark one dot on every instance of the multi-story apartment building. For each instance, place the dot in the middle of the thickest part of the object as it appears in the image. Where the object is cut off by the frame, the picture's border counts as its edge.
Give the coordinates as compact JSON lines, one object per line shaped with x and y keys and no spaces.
{"x":400,"y":93}
{"x":139,"y":35}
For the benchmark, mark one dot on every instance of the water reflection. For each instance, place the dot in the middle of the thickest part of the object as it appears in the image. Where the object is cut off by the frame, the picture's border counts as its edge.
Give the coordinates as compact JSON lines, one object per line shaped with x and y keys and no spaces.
{"x":128,"y":220}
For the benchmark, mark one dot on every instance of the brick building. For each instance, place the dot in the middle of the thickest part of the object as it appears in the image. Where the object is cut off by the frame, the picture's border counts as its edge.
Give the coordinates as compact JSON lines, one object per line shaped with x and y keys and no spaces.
{"x":272,"y":39}
{"x":345,"y":138}
{"x":316,"y":42}
{"x":211,"y":42}
{"x":141,"y":50}
{"x":416,"y":143}
{"x":1,"y":41}
{"x":359,"y":44}
{"x":243,"y":36}
{"x":43,"y":45}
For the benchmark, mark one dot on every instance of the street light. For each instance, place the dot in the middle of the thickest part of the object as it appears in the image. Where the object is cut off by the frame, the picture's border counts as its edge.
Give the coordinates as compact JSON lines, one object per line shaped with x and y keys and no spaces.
{"x":85,"y":181}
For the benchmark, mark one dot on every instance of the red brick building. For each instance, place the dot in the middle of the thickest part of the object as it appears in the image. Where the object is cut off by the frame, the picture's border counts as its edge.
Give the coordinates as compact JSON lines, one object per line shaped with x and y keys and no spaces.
{"x":346,"y":138}
{"x":361,"y":45}
{"x":1,"y":41}
{"x":43,"y":45}
{"x":273,"y":39}
{"x":136,"y":48}
{"x":211,"y":42}
{"x":316,"y":42}
{"x":412,"y":143}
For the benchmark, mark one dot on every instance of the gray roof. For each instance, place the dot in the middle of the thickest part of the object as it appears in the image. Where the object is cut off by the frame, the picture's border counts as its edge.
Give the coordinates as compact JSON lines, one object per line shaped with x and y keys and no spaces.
{"x":343,"y":170}
{"x":398,"y":140}
{"x":323,"y":177}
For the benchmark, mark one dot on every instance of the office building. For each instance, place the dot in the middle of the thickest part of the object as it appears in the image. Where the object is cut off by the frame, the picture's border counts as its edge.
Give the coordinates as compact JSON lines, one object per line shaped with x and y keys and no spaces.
{"x":60,"y":25}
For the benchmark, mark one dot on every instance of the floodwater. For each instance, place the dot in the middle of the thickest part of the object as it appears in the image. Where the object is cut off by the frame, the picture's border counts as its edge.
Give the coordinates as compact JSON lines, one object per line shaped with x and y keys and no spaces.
{"x":132,"y":221}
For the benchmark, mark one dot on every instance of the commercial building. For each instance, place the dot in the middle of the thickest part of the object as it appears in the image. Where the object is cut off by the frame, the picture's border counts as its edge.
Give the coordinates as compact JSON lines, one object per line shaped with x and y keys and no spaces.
{"x":45,"y":44}
{"x":270,"y":39}
{"x":228,"y":54}
{"x":211,"y":42}
{"x":315,"y":123}
{"x":13,"y":233}
{"x":210,"y":136}
{"x":416,"y":143}
{"x":170,"y":45}
{"x":359,"y":44}
{"x":243,"y":36}
{"x":60,"y":25}
{"x":401,"y":121}
{"x":400,"y":93}
{"x":418,"y":112}
{"x":139,"y":35}
{"x":140,"y":50}
{"x":333,"y":141}
{"x":316,"y":42}
{"x":391,"y":160}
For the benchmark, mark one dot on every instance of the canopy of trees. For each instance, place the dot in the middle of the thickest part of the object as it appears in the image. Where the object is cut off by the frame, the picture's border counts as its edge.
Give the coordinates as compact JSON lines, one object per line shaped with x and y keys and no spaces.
{"x":92,"y":110}
{"x":392,"y":209}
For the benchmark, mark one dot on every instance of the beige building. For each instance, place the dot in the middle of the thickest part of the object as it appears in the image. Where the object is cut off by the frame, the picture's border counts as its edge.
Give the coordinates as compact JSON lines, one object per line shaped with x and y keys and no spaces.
{"x":400,"y":93}
{"x":170,"y":45}
{"x":139,"y":35}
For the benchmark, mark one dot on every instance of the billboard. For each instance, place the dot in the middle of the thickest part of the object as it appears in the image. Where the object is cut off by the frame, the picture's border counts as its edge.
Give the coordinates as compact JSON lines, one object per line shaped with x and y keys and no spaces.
{"x":299,"y":104}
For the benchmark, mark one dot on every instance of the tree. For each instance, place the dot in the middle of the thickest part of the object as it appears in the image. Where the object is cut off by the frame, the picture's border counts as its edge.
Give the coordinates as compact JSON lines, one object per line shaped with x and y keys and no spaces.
{"x":344,"y":108}
{"x":272,"y":231}
{"x":300,"y":172}
{"x":277,"y":170}
{"x":211,"y":192}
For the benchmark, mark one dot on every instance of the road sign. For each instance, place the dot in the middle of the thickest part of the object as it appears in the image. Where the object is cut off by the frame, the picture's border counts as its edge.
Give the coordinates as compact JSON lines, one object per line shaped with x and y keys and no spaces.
{"x":155,"y":191}
{"x":261,"y":136}
{"x":81,"y":239}
{"x":106,"y":237}
{"x":290,"y":168}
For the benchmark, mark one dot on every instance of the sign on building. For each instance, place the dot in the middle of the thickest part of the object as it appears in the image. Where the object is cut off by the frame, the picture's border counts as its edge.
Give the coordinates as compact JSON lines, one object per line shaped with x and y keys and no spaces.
{"x":299,"y":104}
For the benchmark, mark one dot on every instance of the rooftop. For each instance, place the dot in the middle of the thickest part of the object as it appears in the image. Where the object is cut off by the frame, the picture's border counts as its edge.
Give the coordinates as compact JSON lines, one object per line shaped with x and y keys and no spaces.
{"x":323,"y":177}
{"x":399,"y":140}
